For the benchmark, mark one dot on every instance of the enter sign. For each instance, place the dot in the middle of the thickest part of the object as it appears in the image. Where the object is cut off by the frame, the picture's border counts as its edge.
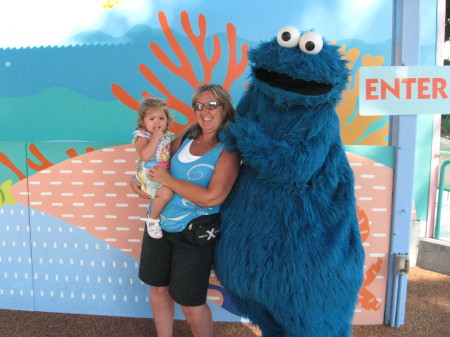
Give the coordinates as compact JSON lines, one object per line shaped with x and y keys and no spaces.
{"x":404,"y":90}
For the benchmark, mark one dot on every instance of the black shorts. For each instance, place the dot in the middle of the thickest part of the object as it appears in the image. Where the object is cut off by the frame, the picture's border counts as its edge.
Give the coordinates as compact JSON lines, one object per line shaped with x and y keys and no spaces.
{"x":173,"y":262}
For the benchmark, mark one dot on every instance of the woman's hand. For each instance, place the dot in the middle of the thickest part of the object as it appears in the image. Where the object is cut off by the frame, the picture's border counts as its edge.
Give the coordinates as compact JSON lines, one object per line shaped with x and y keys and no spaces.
{"x":135,"y":186}
{"x":222,"y":180}
{"x":159,"y":175}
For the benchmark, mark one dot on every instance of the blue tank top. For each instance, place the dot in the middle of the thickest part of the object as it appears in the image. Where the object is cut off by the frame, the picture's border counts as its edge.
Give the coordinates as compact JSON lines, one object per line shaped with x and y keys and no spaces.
{"x":179,"y":211}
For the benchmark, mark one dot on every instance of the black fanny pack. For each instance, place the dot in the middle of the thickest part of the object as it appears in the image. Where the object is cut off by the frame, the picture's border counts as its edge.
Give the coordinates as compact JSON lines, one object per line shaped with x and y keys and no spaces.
{"x":203,"y":230}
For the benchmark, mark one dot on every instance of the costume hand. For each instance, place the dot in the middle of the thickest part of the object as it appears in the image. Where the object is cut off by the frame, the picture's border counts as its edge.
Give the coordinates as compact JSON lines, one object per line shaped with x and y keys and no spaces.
{"x":159,"y":175}
{"x":135,"y":186}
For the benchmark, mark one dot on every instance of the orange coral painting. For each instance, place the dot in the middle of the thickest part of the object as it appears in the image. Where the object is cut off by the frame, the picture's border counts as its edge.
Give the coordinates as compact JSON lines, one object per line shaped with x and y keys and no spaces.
{"x":355,"y":129}
{"x":186,"y":69}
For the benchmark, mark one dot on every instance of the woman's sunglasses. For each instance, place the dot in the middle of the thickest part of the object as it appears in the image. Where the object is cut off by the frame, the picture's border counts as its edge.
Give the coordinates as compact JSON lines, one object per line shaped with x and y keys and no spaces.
{"x":208,"y":105}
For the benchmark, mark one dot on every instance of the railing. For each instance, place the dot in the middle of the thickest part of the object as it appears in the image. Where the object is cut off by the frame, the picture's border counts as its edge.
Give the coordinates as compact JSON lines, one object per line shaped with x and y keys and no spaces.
{"x":441,"y":188}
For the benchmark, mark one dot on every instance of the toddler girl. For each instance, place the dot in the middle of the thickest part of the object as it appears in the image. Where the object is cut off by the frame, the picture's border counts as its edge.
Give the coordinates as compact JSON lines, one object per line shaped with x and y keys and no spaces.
{"x":152,"y":140}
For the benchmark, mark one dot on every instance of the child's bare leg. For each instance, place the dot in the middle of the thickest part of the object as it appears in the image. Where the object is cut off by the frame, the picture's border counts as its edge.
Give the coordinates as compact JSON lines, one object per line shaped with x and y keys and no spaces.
{"x":162,"y":197}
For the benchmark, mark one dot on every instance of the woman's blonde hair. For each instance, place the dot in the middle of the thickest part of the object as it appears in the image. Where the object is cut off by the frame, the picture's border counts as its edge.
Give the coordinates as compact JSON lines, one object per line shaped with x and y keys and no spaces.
{"x":148,"y":106}
{"x":220,"y":95}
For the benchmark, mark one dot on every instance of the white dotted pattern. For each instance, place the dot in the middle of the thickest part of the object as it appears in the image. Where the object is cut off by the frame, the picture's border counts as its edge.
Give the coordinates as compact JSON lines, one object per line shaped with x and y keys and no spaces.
{"x":92,"y":193}
{"x":71,"y":269}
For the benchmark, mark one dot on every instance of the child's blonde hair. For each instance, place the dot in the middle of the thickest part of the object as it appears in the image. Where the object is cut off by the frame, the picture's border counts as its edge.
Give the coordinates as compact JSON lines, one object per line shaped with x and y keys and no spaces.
{"x":149,"y":105}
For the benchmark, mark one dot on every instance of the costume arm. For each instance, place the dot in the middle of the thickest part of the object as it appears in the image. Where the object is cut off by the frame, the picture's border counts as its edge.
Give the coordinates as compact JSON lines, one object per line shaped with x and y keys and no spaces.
{"x":227,"y":138}
{"x":291,"y":160}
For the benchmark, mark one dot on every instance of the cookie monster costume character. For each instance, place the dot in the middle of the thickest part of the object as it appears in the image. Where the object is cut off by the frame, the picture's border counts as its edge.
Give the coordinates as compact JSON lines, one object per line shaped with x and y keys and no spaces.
{"x":290,"y":254}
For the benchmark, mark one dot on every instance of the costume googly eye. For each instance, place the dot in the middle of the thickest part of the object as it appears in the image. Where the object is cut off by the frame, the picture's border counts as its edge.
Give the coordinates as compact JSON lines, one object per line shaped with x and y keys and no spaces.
{"x":288,"y":37}
{"x":311,"y":43}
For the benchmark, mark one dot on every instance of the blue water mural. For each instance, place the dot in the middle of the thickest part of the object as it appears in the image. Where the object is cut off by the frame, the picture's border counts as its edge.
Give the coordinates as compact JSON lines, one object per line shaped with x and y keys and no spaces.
{"x":70,"y":270}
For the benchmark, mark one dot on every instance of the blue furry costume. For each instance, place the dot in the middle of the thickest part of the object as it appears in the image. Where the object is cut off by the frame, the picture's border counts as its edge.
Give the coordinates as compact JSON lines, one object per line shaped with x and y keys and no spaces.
{"x":290,"y":253}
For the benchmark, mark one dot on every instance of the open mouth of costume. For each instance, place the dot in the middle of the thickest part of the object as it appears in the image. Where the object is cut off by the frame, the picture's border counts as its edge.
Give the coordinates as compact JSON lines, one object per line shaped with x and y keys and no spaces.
{"x":288,"y":83}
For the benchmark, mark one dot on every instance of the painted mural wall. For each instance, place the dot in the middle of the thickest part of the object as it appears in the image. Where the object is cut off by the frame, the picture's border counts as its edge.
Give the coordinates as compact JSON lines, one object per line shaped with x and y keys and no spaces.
{"x":70,"y":85}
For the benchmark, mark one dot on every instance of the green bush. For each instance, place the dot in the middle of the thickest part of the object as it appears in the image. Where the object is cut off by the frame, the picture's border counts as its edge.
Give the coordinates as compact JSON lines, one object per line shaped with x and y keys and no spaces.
{"x":445,"y":126}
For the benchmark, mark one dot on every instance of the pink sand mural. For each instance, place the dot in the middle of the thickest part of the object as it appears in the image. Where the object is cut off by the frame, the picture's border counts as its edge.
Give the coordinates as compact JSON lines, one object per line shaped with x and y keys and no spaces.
{"x":91,"y":192}
{"x":373,"y":189}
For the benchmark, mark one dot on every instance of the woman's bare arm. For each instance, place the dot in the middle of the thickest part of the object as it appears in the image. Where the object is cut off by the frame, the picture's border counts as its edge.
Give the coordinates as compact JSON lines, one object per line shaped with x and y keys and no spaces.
{"x":176,"y":143}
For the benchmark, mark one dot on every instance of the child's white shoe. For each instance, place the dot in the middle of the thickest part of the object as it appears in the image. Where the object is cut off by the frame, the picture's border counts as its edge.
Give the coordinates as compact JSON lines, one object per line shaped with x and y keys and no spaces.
{"x":153,"y":227}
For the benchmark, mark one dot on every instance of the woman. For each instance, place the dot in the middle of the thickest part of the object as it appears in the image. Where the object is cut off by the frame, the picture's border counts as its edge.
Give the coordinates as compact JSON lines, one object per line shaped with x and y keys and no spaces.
{"x":202,"y":174}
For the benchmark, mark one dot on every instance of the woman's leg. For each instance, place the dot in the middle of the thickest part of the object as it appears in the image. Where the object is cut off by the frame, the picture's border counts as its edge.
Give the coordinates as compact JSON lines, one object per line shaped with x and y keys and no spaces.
{"x":163,"y":308}
{"x":189,"y":281}
{"x":199,"y":319}
{"x":154,"y":268}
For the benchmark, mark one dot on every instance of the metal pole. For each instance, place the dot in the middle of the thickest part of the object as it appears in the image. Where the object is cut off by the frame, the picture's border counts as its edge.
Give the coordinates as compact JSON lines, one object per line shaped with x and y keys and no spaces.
{"x":403,"y":138}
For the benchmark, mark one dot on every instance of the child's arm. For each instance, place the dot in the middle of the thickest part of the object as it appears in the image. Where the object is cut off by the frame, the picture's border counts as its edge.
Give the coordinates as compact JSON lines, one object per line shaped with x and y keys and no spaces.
{"x":145,"y":147}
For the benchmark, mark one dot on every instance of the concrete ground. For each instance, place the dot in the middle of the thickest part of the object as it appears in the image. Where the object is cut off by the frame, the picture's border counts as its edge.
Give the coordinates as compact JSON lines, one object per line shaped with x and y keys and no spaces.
{"x":427,"y":315}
